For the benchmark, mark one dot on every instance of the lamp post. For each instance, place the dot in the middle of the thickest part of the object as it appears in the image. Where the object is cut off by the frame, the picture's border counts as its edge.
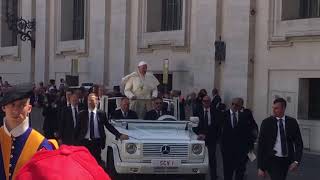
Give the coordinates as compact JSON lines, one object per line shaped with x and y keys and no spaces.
{"x":24,"y":28}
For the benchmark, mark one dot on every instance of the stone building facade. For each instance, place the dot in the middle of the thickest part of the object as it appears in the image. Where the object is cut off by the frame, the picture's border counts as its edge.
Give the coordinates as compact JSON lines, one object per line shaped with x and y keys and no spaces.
{"x":272,"y":48}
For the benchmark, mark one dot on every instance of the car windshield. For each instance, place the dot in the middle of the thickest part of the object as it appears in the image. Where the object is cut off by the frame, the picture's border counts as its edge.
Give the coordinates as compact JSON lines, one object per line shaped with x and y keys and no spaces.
{"x":121,"y":108}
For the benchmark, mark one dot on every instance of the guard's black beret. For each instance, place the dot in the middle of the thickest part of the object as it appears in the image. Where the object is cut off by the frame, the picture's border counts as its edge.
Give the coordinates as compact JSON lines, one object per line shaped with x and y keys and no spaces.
{"x":16,"y":92}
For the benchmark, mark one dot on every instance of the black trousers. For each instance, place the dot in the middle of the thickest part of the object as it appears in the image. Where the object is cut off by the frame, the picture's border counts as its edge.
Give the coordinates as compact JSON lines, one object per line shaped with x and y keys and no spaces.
{"x":94,"y":146}
{"x":234,"y":165}
{"x":212,"y":161}
{"x":278,"y":168}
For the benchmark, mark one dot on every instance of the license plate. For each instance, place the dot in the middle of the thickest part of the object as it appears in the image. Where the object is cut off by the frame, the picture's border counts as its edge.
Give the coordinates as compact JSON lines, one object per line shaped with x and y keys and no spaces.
{"x":165,"y":163}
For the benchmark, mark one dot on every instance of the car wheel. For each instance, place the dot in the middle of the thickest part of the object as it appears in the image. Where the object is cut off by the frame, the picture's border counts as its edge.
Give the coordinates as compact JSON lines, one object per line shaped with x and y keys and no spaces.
{"x":110,"y":168}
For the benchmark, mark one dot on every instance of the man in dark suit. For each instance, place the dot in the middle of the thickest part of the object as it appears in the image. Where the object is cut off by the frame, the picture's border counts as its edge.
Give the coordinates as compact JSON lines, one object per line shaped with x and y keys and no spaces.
{"x":157,"y":110}
{"x":209,"y":130}
{"x":90,"y":130}
{"x":216,"y":99}
{"x":50,"y":114}
{"x":280,"y":144}
{"x":253,"y":123}
{"x":69,"y":120}
{"x":237,"y":140}
{"x":124,"y":112}
{"x":112,"y":103}
{"x":82,"y":98}
{"x":37,"y":99}
{"x":2,"y":115}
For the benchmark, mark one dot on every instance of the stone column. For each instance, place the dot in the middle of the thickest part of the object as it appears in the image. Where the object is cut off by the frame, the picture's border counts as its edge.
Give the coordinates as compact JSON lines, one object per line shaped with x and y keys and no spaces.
{"x":237,"y":33}
{"x":41,"y":56}
{"x":117,"y":46}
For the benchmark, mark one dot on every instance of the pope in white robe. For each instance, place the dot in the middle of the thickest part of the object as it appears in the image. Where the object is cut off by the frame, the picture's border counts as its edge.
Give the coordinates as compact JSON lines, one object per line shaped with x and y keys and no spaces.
{"x":140,"y":87}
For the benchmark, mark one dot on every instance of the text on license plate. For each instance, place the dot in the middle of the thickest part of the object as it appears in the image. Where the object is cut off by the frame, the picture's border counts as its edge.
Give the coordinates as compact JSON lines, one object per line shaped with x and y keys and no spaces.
{"x":165,"y":163}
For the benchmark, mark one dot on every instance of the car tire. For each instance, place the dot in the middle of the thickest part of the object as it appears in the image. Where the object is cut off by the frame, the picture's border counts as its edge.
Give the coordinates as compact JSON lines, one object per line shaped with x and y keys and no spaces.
{"x":110,"y":168}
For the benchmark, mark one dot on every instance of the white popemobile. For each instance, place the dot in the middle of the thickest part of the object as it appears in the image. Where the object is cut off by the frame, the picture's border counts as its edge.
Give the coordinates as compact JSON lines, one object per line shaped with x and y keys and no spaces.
{"x":163,"y":146}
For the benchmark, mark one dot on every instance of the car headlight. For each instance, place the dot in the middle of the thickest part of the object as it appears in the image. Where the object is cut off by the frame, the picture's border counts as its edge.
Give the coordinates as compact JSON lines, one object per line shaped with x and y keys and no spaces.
{"x":197,"y":149}
{"x":131,"y":148}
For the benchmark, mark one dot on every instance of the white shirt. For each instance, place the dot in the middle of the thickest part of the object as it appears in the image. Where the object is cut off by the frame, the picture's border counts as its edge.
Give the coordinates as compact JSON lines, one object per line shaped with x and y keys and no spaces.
{"x":17,"y":131}
{"x":209,"y":115}
{"x":73,"y":115}
{"x":231,"y":115}
{"x":277,"y":146}
{"x":95,"y":122}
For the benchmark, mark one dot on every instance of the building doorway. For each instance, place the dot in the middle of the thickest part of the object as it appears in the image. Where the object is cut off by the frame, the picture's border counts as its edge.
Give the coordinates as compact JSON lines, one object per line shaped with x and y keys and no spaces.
{"x":164,"y":88}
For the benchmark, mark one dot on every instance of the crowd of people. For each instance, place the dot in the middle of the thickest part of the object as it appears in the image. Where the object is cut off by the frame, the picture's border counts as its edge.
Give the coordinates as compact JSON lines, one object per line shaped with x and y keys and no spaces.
{"x":72,"y":115}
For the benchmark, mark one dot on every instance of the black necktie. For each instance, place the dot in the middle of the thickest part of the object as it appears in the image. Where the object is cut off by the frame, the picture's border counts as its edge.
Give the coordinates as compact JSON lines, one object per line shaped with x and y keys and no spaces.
{"x":125,"y":114}
{"x":234,"y":120}
{"x":206,"y":117}
{"x":91,"y":126}
{"x":283,"y":138}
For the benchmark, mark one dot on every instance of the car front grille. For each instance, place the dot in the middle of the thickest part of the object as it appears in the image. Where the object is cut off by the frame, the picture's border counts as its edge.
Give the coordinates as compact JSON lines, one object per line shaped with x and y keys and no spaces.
{"x":154,"y":151}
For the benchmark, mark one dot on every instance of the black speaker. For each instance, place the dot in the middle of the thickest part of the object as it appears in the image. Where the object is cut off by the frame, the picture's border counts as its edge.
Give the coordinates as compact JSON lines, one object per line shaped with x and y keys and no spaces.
{"x":220,"y":50}
{"x":72,"y":80}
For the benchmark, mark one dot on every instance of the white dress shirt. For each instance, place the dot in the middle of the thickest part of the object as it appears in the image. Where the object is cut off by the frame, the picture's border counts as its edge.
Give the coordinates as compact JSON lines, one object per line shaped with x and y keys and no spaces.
{"x":17,"y":131}
{"x":95,"y":122}
{"x":209,"y":115}
{"x":277,"y":146}
{"x":231,"y":115}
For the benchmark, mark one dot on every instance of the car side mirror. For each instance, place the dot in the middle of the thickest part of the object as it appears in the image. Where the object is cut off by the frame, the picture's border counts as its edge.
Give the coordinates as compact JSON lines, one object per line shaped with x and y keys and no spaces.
{"x":194,"y":121}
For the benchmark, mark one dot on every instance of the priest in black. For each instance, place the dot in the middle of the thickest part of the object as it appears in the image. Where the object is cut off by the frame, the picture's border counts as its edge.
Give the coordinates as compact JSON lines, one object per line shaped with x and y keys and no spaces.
{"x":124,"y":112}
{"x":280,"y":144}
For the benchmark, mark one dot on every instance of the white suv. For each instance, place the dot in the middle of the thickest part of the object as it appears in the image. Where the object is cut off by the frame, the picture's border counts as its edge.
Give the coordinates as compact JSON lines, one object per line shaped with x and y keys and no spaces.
{"x":165,"y":146}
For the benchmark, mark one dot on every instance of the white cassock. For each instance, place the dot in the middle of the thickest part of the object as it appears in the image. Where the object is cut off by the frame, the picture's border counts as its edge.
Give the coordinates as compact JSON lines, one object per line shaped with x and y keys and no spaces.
{"x":143,"y":88}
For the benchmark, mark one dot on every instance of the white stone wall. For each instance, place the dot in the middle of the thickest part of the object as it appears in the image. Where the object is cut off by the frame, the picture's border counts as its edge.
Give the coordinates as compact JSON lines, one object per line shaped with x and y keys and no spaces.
{"x":113,"y":51}
{"x":117,"y":41}
{"x":193,"y":69}
{"x":17,"y":70}
{"x":278,"y":69}
{"x":235,"y":32}
{"x":91,"y":63}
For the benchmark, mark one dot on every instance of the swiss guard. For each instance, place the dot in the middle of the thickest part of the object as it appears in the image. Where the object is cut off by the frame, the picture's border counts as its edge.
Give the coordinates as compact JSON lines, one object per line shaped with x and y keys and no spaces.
{"x":18,"y":141}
